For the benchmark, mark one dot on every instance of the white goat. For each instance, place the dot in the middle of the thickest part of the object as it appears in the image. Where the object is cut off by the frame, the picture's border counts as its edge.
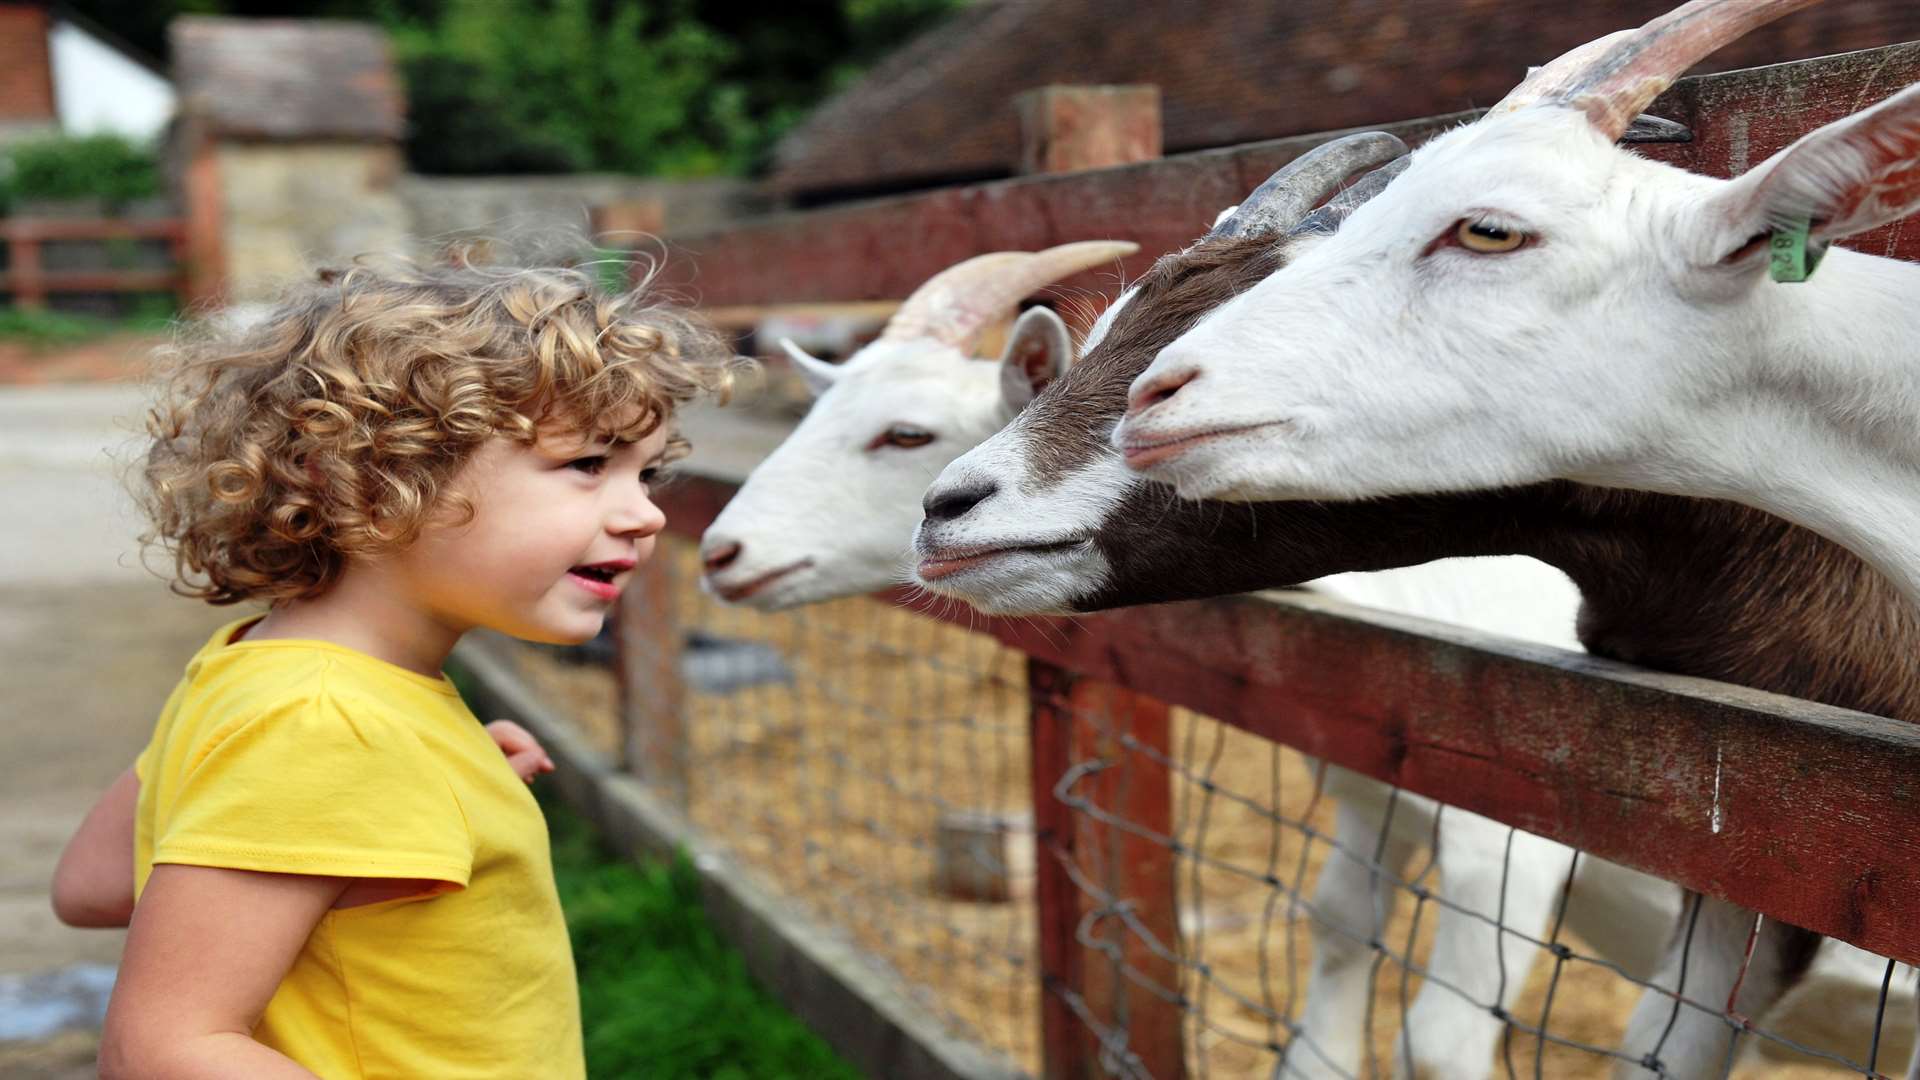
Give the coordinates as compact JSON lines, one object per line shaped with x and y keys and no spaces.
{"x":994,"y":536}
{"x":1529,"y":301}
{"x":831,"y":511}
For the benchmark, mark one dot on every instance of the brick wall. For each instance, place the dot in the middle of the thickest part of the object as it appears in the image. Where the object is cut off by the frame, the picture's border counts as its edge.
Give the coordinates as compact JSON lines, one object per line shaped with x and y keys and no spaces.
{"x":26,"y":76}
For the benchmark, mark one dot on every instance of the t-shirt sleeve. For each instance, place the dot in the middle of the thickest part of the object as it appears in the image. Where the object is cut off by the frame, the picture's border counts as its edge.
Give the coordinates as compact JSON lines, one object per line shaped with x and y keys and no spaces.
{"x":319,"y":787}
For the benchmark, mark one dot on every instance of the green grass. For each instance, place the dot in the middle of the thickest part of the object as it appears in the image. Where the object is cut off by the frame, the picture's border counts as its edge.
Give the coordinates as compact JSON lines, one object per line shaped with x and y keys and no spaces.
{"x":44,"y":329}
{"x":661,"y":995}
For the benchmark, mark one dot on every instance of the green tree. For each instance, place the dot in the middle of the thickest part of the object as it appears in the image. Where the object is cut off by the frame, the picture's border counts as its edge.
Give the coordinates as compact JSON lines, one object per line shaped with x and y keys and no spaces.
{"x":562,"y":86}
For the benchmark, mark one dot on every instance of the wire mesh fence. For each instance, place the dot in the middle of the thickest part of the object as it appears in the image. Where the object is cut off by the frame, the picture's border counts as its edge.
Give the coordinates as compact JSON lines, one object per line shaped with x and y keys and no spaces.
{"x":1221,"y":904}
{"x":873,"y":765}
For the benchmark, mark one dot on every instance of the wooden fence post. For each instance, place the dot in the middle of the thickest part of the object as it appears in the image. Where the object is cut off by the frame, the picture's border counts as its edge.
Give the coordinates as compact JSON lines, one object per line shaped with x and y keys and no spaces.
{"x":203,"y":205}
{"x":1066,"y":128}
{"x":653,"y":732}
{"x":29,"y":289}
{"x":1073,"y":721}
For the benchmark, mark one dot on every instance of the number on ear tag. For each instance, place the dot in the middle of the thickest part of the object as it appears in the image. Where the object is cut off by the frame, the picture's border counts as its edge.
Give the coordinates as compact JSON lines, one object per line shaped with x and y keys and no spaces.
{"x":1790,"y":255}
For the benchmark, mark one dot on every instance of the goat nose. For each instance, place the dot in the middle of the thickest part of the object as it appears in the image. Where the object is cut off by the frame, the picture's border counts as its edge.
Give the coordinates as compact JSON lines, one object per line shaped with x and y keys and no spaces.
{"x":721,"y":557}
{"x":1158,"y":389}
{"x":947,"y":505}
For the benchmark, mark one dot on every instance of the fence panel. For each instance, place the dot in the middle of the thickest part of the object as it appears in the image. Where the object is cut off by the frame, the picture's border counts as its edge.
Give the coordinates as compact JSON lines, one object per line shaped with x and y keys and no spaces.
{"x":30,"y":282}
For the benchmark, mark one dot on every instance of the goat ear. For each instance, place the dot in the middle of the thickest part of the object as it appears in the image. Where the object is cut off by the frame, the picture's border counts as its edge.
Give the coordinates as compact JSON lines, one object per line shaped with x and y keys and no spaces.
{"x":816,"y":373}
{"x":1037,"y":352}
{"x":1847,"y":177}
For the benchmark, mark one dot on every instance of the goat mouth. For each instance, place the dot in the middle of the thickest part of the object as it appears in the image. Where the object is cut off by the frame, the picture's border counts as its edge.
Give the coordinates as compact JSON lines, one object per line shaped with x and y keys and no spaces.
{"x":946,"y":564}
{"x":1142,"y":453}
{"x":733,"y":594}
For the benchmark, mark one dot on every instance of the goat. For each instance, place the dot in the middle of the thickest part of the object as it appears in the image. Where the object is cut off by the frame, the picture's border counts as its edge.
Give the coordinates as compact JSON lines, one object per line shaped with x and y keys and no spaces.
{"x":855,"y":533}
{"x":1697,"y":586}
{"x":1529,"y":302}
{"x":830,"y":511}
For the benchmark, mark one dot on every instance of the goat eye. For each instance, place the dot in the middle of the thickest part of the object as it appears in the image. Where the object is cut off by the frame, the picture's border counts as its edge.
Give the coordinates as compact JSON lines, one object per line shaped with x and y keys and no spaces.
{"x":1487,"y":239}
{"x":902,"y":436}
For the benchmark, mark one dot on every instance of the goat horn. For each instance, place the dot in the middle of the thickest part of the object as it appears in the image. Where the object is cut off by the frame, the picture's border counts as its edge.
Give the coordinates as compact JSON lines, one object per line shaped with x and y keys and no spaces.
{"x":1303,"y":183}
{"x":1613,"y":78}
{"x":1328,"y":218}
{"x":955,"y":305}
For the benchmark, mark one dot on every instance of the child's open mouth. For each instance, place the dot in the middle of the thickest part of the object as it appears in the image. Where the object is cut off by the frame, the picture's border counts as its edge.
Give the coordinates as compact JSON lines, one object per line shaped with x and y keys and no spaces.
{"x":597,"y":578}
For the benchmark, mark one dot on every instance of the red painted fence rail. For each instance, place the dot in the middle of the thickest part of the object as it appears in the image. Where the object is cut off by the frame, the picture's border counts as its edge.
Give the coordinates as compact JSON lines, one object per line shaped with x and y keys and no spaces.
{"x":1804,"y":812}
{"x":30,"y":283}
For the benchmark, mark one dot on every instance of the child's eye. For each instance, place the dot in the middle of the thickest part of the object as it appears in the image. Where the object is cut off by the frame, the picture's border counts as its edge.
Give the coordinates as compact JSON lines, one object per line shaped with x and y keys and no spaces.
{"x":650,"y":474}
{"x":590,"y":465}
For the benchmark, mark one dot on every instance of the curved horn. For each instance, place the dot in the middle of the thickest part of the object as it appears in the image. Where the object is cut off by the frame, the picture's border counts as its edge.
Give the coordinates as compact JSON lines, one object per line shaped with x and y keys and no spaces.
{"x":956,"y":304}
{"x":1329,"y":217}
{"x":1301,"y":184}
{"x":1612,"y":79}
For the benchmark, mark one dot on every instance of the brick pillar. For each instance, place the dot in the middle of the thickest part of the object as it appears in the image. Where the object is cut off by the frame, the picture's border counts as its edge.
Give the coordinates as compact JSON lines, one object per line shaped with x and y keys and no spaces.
{"x":1065,"y":128}
{"x":26,"y":69}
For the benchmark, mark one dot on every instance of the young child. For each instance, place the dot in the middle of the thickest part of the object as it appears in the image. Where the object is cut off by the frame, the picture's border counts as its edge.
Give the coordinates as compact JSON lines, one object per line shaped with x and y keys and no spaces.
{"x":338,"y":871}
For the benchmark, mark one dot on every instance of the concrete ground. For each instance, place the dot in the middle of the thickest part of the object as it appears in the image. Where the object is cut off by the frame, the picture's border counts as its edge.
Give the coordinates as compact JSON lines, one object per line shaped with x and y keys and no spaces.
{"x":90,"y":645}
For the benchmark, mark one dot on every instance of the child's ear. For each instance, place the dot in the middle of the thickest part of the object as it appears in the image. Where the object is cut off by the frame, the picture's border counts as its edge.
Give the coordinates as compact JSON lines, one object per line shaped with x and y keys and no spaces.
{"x":1847,"y":177}
{"x":1037,"y":352}
{"x":816,"y":373}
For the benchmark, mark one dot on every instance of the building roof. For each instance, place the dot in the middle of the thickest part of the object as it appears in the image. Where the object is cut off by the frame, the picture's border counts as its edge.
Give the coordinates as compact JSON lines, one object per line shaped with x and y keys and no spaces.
{"x":287,"y":78}
{"x":1229,"y":71}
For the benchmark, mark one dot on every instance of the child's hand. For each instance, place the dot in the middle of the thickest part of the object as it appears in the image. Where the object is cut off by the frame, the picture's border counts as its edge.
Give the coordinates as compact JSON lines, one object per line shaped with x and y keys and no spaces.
{"x":522,"y":749}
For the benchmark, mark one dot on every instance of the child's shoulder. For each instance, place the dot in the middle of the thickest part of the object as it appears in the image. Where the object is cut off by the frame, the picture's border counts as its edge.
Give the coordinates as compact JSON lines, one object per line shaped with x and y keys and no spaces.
{"x":314,"y":691}
{"x":308,"y":669}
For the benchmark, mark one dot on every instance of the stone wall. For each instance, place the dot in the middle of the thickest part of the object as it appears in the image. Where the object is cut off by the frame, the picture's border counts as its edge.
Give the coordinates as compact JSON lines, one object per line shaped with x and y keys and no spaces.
{"x":540,"y":218}
{"x":291,"y":206}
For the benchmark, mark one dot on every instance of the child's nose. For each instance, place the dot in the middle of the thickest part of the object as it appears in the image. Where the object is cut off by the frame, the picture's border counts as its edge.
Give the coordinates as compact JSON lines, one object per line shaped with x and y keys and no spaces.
{"x":639,"y":517}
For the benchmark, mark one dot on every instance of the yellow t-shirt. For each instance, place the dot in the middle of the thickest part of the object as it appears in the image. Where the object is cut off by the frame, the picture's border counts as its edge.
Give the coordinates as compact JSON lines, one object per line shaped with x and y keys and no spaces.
{"x":311,"y":758}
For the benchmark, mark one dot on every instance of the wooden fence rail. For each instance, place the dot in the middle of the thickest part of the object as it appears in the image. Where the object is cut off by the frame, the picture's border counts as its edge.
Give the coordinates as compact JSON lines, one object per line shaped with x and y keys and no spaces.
{"x":30,"y":283}
{"x":1804,"y":812}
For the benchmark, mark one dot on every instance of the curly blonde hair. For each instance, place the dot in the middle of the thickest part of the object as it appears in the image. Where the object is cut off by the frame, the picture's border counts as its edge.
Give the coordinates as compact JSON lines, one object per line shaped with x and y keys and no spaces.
{"x":331,"y":428}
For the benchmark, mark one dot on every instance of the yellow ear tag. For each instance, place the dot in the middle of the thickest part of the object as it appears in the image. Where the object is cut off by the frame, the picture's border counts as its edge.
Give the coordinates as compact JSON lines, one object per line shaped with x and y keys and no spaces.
{"x":1790,"y":255}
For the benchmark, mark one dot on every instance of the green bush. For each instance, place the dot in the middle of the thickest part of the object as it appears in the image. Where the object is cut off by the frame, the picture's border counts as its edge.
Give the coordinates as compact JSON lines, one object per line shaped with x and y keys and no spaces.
{"x":107,"y":167}
{"x":45,"y":329}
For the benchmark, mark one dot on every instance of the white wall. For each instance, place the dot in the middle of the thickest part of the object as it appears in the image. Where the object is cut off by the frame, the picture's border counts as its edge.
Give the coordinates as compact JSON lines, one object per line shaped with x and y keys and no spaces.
{"x":96,"y":89}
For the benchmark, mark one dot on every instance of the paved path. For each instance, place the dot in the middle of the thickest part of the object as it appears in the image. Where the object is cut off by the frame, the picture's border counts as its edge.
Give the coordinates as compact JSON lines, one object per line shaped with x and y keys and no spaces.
{"x":90,"y":644}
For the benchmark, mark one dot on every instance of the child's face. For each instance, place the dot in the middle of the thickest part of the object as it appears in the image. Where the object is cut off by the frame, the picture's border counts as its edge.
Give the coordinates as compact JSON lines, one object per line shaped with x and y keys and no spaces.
{"x":557,"y":529}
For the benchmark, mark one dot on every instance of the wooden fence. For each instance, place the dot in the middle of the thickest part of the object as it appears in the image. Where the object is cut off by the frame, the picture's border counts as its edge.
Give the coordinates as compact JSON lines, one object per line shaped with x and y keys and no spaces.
{"x":30,"y":283}
{"x":1636,"y":767}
